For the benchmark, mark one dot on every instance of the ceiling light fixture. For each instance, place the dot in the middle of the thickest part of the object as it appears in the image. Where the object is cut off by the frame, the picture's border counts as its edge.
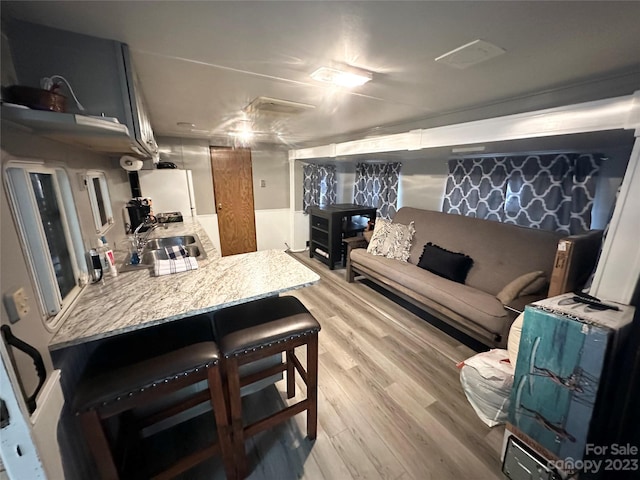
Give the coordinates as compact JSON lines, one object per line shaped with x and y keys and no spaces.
{"x":347,"y":77}
{"x":243,"y":136}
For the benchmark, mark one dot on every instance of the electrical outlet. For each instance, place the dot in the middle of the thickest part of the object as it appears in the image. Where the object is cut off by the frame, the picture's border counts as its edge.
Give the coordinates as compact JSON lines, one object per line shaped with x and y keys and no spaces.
{"x":263,"y":183}
{"x":17,"y":304}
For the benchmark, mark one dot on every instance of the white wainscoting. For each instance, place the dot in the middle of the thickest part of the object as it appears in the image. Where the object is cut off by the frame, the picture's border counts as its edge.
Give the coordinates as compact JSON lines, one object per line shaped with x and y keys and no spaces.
{"x":300,"y":230}
{"x":272,"y":229}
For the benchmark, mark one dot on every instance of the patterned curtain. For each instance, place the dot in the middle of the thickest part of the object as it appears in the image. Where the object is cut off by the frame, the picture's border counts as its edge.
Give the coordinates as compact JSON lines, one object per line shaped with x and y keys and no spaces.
{"x":551,"y":191}
{"x":319,"y":185}
{"x":476,"y":187}
{"x":377,"y":186}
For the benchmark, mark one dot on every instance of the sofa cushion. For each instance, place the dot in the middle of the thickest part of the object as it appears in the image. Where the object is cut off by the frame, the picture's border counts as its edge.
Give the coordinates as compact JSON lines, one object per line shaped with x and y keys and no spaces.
{"x":479,"y":307}
{"x":500,"y":252}
{"x":451,"y":265}
{"x":527,"y":284}
{"x":392,"y":240}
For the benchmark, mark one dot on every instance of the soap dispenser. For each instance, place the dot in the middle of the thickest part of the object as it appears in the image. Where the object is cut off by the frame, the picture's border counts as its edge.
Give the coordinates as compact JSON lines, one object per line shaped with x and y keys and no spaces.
{"x":102,"y":249}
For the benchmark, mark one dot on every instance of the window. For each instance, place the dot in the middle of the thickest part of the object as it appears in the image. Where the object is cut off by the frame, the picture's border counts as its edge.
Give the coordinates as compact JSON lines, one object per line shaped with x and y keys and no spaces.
{"x":47,"y":221}
{"x":100,"y":201}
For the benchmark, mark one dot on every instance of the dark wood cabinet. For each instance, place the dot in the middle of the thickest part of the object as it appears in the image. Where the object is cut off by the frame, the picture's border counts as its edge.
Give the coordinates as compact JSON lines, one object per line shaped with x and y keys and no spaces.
{"x":330,"y":224}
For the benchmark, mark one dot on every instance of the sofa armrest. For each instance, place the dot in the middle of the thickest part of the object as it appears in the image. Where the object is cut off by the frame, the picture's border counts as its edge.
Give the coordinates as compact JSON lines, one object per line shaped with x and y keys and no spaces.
{"x":353,"y":243}
{"x":576,"y":257}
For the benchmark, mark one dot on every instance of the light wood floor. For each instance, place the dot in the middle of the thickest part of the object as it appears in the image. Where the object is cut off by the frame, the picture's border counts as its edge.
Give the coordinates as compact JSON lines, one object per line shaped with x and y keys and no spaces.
{"x":390,"y":401}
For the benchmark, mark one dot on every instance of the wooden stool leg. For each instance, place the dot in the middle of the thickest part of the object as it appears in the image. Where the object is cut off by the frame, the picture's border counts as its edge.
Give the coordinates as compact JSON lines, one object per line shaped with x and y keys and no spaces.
{"x":291,"y":375}
{"x":217,"y":393}
{"x":312,"y":386}
{"x":235,"y":411}
{"x":98,"y":445}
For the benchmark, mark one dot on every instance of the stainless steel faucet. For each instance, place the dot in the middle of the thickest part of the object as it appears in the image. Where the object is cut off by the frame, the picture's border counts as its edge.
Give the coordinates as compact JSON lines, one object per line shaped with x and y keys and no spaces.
{"x":141,"y":240}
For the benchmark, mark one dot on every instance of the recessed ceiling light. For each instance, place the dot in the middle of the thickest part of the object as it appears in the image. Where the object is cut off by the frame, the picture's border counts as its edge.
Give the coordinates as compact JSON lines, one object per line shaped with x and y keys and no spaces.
{"x":348,"y":77}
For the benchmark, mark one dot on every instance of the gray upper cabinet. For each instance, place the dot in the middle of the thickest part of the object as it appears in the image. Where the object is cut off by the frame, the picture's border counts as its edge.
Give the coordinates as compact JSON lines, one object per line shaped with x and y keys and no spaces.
{"x":141,"y":124}
{"x":100,"y":72}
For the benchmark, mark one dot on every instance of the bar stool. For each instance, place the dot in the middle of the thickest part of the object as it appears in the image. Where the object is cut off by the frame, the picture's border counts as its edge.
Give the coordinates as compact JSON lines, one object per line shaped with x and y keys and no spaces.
{"x":114,"y":391}
{"x":260,"y":329}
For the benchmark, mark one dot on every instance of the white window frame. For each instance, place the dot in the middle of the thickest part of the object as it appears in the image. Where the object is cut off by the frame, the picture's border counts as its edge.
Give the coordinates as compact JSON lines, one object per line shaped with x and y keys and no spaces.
{"x":34,"y":242}
{"x":93,"y":199}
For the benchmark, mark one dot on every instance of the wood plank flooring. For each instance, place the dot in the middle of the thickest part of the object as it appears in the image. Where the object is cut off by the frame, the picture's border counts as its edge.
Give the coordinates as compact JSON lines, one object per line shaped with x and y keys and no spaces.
{"x":390,"y":402}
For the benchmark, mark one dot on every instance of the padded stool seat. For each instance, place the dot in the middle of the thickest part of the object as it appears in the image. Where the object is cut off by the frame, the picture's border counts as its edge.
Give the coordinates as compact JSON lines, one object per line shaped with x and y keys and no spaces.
{"x":259,"y":329}
{"x":114,"y":391}
{"x":122,"y":384}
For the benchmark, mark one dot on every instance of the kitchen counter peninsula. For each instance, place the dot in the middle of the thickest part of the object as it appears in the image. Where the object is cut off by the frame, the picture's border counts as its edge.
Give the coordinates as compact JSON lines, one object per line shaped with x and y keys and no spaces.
{"x":136,"y":300}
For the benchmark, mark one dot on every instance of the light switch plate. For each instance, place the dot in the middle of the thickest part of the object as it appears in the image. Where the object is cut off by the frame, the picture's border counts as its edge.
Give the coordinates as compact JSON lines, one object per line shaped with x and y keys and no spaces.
{"x":82,"y":181}
{"x":17,"y":304}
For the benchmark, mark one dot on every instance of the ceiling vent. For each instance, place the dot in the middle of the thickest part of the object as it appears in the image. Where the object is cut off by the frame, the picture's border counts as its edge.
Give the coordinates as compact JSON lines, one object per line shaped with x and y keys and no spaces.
{"x":276,"y":106}
{"x":470,"y":54}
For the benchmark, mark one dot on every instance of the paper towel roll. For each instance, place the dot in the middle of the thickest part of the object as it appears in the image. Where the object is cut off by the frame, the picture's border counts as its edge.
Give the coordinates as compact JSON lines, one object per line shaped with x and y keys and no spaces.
{"x":130,"y":163}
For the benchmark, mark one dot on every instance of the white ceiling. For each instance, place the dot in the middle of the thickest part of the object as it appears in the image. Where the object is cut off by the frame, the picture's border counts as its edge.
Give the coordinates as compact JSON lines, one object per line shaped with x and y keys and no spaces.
{"x":202,"y":62}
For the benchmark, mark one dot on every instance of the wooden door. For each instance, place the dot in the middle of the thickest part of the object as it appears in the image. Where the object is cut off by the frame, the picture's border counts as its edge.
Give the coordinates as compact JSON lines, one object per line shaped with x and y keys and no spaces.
{"x":233,"y":192}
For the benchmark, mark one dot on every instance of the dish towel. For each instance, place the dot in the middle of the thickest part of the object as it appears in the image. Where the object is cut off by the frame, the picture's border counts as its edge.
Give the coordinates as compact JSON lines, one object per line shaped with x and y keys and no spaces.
{"x":176,"y":251}
{"x":165,"y":267}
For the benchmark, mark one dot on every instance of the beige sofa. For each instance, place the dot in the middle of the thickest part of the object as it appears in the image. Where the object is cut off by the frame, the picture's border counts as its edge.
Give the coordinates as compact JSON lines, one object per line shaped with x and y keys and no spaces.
{"x":501,"y":254}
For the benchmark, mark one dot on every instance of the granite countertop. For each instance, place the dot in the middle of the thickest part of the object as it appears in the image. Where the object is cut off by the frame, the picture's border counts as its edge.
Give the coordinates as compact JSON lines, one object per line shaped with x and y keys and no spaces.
{"x":135,"y":300}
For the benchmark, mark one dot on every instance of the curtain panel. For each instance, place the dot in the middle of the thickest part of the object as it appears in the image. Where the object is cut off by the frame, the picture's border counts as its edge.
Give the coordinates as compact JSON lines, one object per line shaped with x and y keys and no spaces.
{"x":549,"y":191}
{"x":476,"y":187}
{"x":377,"y":186}
{"x":319,"y":185}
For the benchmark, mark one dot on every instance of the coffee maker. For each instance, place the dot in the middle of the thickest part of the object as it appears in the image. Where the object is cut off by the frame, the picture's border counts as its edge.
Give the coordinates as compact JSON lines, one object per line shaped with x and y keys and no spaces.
{"x":139,"y":207}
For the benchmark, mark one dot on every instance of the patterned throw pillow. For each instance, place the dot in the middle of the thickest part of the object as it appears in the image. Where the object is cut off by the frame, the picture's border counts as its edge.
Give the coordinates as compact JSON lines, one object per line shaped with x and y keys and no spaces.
{"x":391,"y":240}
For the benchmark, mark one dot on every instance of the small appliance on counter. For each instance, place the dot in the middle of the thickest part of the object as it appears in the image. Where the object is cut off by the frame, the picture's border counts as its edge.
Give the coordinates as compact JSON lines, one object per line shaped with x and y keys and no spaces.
{"x":162,"y":165}
{"x":95,"y":265}
{"x":137,"y":209}
{"x":169,"y":217}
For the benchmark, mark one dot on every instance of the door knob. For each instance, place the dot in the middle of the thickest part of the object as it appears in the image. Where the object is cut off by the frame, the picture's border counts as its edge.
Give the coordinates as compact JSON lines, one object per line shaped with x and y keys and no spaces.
{"x":219,"y":206}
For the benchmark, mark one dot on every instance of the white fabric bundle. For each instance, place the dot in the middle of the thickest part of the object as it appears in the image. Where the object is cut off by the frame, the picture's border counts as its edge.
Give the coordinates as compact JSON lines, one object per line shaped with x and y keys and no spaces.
{"x":487,"y":379}
{"x":165,"y":267}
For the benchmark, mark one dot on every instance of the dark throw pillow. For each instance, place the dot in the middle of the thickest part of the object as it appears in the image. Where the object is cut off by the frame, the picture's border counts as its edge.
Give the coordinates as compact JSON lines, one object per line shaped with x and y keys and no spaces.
{"x":450,"y":265}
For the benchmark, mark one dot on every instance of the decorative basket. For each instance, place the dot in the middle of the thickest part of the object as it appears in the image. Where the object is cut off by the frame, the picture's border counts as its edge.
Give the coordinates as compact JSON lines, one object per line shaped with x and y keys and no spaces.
{"x":37,"y":98}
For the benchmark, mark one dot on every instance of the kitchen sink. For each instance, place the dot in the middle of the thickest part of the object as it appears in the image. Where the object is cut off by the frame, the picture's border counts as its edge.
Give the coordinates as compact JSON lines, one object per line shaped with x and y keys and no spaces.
{"x":149,"y":257}
{"x":160,"y":243}
{"x":154,"y":250}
